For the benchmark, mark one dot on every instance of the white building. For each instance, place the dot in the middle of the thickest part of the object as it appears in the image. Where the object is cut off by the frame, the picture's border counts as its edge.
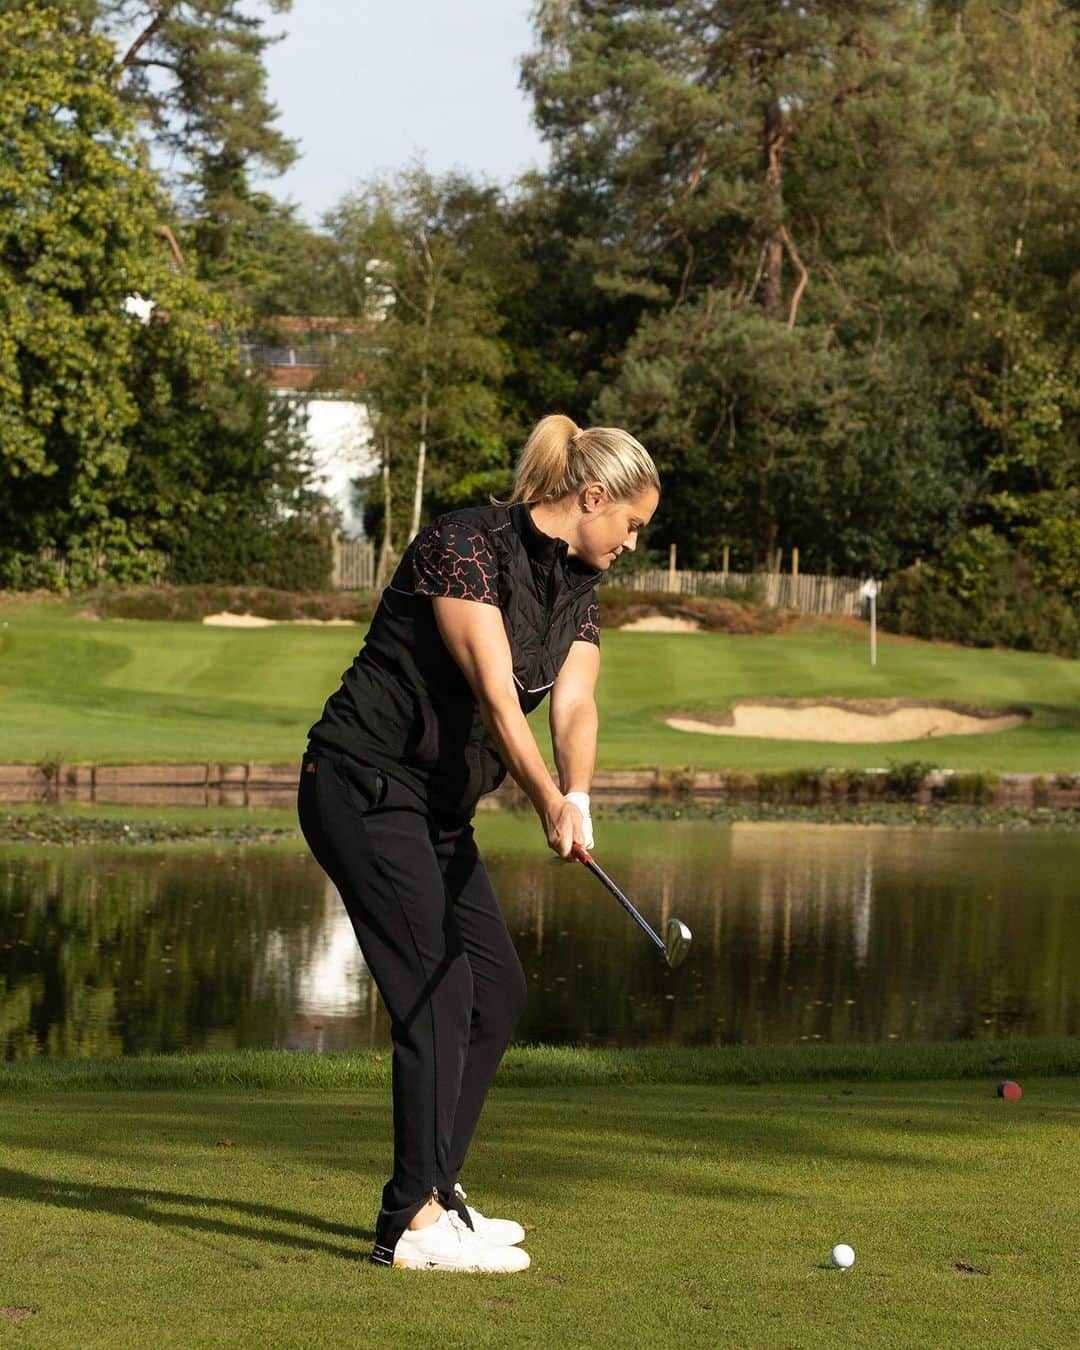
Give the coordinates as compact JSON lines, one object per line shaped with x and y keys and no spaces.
{"x":291,"y":350}
{"x":339,"y":434}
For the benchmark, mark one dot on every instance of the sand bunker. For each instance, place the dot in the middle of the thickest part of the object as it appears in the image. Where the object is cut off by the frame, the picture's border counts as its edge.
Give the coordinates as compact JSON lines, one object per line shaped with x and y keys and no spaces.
{"x":661,"y":623}
{"x":227,"y":620}
{"x":850,"y":720}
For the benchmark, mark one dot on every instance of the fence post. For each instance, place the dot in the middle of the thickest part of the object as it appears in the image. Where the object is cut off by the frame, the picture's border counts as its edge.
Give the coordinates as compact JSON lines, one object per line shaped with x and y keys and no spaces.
{"x":794,"y":564}
{"x":335,"y":570}
{"x":671,"y":568}
{"x":727,"y":555}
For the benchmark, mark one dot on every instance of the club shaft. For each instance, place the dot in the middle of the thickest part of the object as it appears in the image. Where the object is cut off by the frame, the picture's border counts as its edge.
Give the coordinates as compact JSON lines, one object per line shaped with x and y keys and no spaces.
{"x":599,"y":872}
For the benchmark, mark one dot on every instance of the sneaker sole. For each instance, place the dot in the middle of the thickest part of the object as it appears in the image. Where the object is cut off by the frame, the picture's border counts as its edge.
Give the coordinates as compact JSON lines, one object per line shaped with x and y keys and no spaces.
{"x":404,"y":1264}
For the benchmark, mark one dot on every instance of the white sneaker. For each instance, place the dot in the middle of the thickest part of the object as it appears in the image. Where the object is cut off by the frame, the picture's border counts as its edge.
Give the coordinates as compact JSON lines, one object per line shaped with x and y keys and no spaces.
{"x":450,"y":1244}
{"x":499,"y":1232}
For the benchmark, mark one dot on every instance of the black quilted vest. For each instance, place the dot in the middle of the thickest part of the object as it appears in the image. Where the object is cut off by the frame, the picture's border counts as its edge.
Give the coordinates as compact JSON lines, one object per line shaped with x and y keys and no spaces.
{"x":405,"y":707}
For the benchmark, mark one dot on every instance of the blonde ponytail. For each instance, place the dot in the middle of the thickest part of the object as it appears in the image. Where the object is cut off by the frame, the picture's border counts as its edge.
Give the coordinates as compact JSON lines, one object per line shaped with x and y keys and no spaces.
{"x":559,"y":457}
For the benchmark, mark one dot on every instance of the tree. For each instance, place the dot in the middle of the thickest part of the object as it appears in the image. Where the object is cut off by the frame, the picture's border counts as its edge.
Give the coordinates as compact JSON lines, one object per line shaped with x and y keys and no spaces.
{"x":417,"y":259}
{"x":684,"y":116}
{"x":116,"y":436}
{"x":775,"y":186}
{"x":1020,"y":339}
{"x":564,"y":333}
{"x":276,"y":263}
{"x":192,"y":73}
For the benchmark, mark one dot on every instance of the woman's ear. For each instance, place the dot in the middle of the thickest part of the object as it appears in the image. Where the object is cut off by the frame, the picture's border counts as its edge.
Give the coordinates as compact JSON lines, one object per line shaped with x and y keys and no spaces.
{"x":592,"y":496}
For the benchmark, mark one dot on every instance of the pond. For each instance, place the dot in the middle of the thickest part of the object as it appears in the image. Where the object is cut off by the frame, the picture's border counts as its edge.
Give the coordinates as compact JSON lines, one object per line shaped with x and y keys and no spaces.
{"x":801,"y":933}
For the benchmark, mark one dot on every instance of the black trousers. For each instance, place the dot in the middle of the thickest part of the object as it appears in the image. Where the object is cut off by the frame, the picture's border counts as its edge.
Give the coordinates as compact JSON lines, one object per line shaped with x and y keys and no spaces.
{"x":434,"y":939}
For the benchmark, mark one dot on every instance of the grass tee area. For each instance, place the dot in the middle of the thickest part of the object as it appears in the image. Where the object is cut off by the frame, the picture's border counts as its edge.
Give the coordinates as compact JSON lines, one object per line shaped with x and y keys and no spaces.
{"x":117,"y":692}
{"x":230,"y":1200}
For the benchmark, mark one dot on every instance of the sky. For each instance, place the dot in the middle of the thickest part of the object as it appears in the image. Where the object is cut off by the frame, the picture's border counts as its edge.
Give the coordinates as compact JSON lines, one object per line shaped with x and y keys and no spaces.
{"x":368,"y":86}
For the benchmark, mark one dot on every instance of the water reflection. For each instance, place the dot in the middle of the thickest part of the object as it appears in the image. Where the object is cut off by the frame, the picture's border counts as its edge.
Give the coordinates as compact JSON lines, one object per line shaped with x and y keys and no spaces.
{"x":800,"y":933}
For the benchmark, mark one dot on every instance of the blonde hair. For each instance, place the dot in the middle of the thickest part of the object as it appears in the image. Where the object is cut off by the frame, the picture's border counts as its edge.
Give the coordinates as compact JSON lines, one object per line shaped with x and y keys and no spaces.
{"x":560,"y":457}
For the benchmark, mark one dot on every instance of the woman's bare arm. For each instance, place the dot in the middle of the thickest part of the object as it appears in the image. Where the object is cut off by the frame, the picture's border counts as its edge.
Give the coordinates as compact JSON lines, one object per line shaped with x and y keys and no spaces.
{"x":475,"y":637}
{"x":573,"y":718}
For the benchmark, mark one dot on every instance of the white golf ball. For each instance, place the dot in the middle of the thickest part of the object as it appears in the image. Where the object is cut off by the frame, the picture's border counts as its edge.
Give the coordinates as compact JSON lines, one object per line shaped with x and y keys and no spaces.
{"x":842,"y":1256}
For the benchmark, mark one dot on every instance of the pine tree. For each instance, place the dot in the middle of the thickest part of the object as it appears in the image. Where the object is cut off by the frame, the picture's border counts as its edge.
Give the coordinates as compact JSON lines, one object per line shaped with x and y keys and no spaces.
{"x":775,"y":186}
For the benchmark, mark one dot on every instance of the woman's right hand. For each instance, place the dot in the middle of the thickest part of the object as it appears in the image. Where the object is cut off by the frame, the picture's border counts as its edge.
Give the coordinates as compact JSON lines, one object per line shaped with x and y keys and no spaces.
{"x":563,"y":826}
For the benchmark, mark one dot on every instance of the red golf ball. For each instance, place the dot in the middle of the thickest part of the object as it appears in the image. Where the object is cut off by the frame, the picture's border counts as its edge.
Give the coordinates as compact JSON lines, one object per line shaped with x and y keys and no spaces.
{"x":1009,"y":1090}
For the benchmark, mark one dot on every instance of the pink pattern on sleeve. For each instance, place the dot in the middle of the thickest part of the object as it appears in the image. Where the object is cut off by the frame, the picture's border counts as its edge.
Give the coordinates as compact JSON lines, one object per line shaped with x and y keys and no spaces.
{"x":453,"y":559}
{"x":589,"y":628}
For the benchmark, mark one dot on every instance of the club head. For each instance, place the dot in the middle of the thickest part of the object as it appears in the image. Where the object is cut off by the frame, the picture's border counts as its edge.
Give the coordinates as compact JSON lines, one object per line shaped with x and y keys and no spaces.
{"x":677,"y":940}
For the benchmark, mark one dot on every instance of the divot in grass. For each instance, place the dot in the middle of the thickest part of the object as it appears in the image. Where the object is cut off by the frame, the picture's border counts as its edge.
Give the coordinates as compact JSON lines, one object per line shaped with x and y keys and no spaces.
{"x":17,"y":1314}
{"x":964,"y":1268}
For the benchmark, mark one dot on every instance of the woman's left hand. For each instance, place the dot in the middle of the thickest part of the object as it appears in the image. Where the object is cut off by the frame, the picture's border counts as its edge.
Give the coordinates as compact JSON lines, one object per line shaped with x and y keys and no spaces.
{"x":581,"y":801}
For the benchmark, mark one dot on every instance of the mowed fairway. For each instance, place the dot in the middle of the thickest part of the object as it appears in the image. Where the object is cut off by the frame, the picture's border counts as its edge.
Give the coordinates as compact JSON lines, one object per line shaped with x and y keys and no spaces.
{"x":665,"y":1215}
{"x":131,"y":691}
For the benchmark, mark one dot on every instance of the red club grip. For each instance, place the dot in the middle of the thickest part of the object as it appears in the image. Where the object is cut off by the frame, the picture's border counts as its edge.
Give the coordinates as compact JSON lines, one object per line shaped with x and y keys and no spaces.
{"x":581,"y":853}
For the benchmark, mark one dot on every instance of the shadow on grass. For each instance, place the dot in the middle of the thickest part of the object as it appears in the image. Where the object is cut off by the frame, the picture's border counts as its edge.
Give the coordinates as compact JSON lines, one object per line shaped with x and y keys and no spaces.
{"x":577,"y":1135}
{"x":693,"y":1143}
{"x":679,"y":1144}
{"x":155,"y":1207}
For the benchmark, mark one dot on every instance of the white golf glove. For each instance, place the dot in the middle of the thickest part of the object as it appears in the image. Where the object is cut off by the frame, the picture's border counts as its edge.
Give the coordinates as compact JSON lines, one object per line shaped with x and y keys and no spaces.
{"x":581,"y":801}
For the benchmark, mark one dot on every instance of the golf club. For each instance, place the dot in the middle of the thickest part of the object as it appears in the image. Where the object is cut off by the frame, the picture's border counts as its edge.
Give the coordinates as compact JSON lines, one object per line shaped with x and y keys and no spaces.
{"x":677,"y":934}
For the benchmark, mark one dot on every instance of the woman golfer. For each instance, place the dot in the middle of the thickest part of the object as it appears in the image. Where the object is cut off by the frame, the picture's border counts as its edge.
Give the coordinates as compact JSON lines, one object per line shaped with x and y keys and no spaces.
{"x":490,"y":608}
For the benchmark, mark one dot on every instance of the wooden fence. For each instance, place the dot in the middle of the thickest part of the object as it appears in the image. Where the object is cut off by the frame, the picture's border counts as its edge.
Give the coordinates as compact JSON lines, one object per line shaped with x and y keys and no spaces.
{"x":778,"y":590}
{"x":355,"y":560}
{"x":354,"y":565}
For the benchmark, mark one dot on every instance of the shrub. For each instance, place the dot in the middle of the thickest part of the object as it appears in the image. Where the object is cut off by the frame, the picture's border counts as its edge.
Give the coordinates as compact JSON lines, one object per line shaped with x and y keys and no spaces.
{"x":27,"y":572}
{"x":856,"y":783}
{"x":981,"y":593}
{"x":716,"y":615}
{"x":901,"y":782}
{"x":976,"y":789}
{"x":1054,"y":548}
{"x":292,"y":555}
{"x":192,"y":603}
